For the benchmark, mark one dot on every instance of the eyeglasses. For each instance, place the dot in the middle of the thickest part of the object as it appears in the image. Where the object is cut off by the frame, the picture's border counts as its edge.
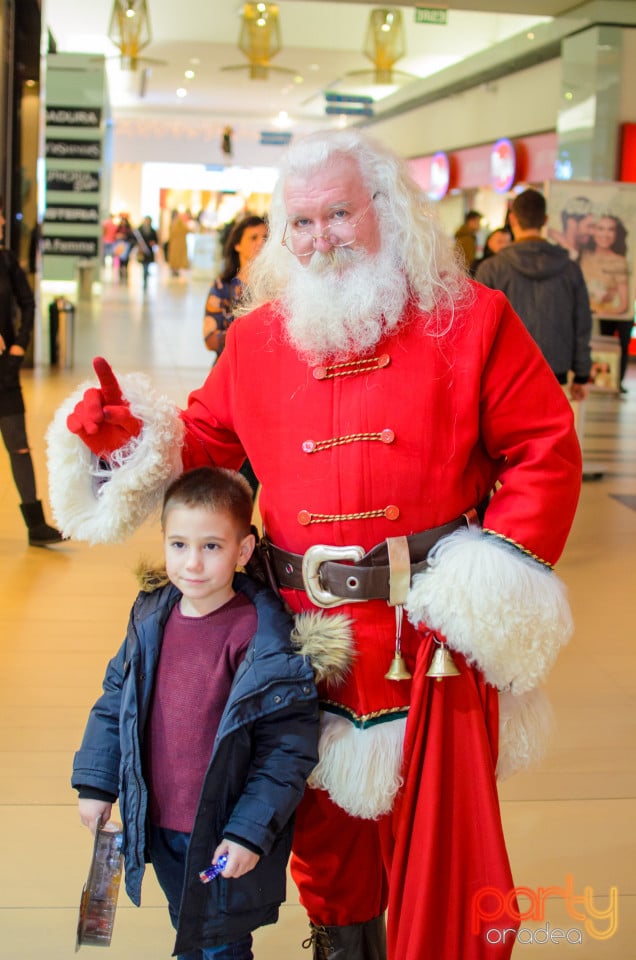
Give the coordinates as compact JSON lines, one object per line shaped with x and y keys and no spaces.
{"x":300,"y":241}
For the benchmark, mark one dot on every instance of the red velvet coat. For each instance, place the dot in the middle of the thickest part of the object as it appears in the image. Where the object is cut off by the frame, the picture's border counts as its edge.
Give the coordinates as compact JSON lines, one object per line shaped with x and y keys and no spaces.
{"x":394,"y":444}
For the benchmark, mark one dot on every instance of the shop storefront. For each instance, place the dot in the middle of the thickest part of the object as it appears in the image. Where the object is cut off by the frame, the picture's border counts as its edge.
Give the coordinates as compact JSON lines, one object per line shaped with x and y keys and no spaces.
{"x":484,"y":177}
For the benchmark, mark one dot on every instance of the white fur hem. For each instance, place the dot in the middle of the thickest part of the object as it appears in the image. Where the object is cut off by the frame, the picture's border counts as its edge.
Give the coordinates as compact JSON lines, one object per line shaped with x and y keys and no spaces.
{"x":525,"y":725}
{"x":506,"y":613}
{"x":106,"y":506}
{"x":360,"y":769}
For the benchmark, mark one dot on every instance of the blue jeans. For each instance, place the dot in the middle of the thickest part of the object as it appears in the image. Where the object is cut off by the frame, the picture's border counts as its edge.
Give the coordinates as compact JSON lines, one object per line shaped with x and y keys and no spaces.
{"x":167,"y":849}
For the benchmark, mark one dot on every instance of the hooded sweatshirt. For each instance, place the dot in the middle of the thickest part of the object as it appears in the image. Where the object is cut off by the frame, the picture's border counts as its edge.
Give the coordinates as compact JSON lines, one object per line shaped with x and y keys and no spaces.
{"x":546,"y":288}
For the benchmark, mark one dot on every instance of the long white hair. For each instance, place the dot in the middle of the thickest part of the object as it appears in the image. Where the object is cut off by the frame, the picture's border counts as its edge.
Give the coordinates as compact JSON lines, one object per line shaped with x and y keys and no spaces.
{"x":409,"y":230}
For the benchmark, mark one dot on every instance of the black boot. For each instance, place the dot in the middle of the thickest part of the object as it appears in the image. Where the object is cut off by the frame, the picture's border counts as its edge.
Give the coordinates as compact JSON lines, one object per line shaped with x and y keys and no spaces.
{"x":357,"y":941}
{"x":40,"y":533}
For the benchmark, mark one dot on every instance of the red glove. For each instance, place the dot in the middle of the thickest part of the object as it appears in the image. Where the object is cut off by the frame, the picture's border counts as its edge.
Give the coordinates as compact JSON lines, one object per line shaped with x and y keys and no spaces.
{"x":102,"y":418}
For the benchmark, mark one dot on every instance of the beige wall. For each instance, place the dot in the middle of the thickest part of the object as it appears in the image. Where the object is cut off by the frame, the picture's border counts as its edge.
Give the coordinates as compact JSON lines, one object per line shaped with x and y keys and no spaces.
{"x":125,"y":196}
{"x":627,"y":110}
{"x":520,"y":104}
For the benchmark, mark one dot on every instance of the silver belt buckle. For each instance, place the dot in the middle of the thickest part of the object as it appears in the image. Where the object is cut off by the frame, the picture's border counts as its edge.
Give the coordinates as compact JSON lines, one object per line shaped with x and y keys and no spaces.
{"x":313,"y":558}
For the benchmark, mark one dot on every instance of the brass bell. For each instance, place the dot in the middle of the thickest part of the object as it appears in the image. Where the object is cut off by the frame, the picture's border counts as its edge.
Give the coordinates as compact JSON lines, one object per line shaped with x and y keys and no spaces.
{"x":442,"y":664}
{"x":397,"y":670}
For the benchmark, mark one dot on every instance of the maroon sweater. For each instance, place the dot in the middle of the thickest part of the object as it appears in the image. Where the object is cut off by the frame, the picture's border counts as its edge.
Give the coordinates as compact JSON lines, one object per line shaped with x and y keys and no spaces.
{"x":199,"y":657}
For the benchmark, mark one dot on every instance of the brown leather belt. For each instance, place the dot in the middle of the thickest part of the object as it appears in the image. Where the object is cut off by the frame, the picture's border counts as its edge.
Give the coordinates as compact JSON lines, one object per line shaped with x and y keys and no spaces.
{"x":321,"y":573}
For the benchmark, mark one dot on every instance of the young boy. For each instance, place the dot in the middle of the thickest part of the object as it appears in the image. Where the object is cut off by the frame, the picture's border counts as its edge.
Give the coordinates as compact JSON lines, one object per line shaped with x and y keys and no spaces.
{"x":207,"y":727}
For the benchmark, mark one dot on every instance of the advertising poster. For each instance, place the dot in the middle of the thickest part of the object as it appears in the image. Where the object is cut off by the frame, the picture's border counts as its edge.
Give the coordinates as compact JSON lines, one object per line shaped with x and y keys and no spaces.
{"x":596,"y":223}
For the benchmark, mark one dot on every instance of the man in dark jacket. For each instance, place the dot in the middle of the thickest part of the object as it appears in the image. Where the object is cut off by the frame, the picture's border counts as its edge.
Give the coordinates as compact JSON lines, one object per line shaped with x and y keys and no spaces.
{"x":547,"y":290}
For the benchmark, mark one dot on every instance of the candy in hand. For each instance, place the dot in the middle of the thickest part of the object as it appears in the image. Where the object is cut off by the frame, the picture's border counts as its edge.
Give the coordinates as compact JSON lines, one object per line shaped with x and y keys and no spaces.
{"x":102,"y":418}
{"x":211,"y":872}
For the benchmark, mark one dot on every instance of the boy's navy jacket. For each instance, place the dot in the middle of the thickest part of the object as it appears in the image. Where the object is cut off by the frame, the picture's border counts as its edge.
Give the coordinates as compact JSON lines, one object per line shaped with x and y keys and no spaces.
{"x":266,"y":747}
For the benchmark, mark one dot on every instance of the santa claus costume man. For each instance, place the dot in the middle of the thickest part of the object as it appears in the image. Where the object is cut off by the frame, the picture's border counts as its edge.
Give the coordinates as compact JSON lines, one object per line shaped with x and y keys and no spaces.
{"x":420,"y":473}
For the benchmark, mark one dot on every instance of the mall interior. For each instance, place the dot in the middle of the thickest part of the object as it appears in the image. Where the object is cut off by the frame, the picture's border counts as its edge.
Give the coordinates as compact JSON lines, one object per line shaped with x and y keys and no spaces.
{"x":561,"y":118}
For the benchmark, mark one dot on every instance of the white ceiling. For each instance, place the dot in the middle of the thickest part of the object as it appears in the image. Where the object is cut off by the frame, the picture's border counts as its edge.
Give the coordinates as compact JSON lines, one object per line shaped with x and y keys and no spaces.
{"x":321,"y":45}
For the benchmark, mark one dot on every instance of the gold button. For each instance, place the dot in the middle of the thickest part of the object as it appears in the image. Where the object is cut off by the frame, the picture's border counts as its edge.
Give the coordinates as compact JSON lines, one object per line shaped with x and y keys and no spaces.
{"x":304,"y":517}
{"x":387,"y":436}
{"x":384,"y":360}
{"x":392,"y":512}
{"x":308,"y":446}
{"x":319,"y":373}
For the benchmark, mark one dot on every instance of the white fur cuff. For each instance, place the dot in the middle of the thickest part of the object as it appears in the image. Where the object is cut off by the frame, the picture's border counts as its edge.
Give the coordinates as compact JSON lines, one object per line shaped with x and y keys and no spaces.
{"x":360,"y":769}
{"x":525,"y":725}
{"x":506,"y":613}
{"x":107,"y":506}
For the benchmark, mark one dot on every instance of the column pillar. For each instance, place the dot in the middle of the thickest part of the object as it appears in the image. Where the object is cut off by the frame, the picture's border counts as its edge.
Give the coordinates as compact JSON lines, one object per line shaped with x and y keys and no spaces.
{"x":589,"y":117}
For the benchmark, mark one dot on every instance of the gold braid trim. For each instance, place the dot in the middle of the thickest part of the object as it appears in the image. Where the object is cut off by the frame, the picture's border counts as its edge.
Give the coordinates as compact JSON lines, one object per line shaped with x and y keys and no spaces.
{"x":518,"y":546}
{"x":365,"y":719}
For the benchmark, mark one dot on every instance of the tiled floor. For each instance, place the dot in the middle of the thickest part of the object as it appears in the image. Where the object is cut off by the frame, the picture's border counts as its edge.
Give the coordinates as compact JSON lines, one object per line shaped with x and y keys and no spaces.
{"x":64,"y":612}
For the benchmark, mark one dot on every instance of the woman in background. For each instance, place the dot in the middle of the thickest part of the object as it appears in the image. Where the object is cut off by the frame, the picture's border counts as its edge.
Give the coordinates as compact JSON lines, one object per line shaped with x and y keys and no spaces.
{"x":495,"y":241}
{"x":123,"y":246}
{"x":606,"y":272}
{"x":245,"y":240}
{"x":177,"y":244}
{"x":14,"y":340}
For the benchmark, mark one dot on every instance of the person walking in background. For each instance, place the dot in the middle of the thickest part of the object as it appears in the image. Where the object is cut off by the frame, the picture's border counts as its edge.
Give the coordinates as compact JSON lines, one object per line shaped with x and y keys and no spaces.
{"x":466,"y":237}
{"x":546,"y":288}
{"x":109,"y":238}
{"x":222,"y":777}
{"x":244,"y":241}
{"x":495,"y":241}
{"x":606,"y":272}
{"x":146,"y":240}
{"x":177,"y":244}
{"x":123,"y":245}
{"x":16,"y":292}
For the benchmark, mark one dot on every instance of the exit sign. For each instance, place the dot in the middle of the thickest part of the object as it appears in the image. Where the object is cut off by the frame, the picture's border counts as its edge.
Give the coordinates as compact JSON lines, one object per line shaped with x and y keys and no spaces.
{"x":431,"y":15}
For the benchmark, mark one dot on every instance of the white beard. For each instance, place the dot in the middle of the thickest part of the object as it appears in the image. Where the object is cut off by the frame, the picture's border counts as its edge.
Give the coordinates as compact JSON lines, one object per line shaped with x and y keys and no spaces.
{"x":342,"y":303}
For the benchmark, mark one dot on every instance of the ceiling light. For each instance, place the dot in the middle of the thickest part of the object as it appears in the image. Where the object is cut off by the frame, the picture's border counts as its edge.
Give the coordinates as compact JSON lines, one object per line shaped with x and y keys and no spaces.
{"x":189,"y":74}
{"x":129,"y":30}
{"x":259,"y":40}
{"x":182,"y":92}
{"x":385,"y":43}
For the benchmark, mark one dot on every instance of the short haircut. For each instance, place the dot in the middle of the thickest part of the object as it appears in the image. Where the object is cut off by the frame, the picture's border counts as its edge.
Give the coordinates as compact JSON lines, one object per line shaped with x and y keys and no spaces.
{"x":530,"y":209}
{"x":474,"y":215}
{"x":215,"y":489}
{"x":576,"y":208}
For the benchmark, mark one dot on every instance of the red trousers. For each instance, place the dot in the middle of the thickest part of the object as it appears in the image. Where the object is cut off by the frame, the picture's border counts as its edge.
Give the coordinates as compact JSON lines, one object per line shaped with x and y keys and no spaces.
{"x":439,"y":856}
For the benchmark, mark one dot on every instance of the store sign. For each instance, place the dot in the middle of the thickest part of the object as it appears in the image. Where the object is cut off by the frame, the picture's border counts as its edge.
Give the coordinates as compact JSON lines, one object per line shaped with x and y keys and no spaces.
{"x":431,"y":15}
{"x":74,"y":149}
{"x":503,"y":165}
{"x":60,"y":214}
{"x":79,"y":181}
{"x":73,"y":117}
{"x":275,"y":138}
{"x":69,"y":246}
{"x":440,"y":176}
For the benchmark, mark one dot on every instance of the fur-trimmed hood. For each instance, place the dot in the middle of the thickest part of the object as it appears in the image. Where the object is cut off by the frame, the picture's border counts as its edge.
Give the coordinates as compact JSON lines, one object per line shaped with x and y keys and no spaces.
{"x":327,"y":641}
